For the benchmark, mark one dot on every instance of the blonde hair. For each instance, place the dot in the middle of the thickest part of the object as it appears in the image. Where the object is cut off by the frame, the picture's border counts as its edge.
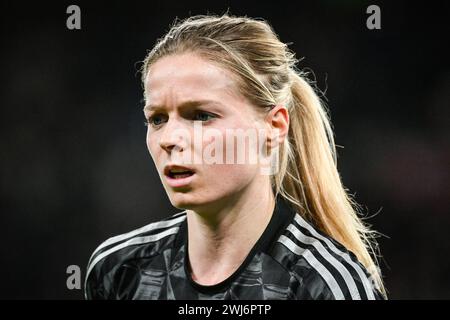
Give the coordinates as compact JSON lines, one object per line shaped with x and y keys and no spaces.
{"x":266,"y":71}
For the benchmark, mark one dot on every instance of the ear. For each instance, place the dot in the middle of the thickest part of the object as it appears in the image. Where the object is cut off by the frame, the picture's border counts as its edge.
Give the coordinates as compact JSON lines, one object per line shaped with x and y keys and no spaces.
{"x":278,"y":123}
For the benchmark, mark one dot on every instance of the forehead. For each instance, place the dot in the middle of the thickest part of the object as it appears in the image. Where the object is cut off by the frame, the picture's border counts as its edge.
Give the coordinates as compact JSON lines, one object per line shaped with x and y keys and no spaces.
{"x":176,"y":78}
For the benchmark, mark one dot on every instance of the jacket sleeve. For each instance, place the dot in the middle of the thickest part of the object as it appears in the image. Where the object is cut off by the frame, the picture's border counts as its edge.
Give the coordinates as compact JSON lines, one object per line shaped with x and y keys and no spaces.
{"x":97,"y":284}
{"x":321,"y":284}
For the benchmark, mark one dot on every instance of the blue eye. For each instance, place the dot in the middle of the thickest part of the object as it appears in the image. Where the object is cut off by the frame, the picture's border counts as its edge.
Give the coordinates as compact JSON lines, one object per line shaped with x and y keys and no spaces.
{"x":154,"y":120}
{"x":203,"y":116}
{"x":157,"y":120}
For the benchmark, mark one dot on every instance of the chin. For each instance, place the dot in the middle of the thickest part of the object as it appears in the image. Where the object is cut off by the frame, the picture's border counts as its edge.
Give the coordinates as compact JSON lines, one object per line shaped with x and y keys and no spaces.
{"x":191,"y":201}
{"x":184,"y":201}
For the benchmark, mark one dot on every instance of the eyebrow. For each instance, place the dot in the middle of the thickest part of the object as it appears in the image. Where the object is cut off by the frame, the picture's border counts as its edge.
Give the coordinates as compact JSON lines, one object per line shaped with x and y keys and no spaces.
{"x":186,"y":104}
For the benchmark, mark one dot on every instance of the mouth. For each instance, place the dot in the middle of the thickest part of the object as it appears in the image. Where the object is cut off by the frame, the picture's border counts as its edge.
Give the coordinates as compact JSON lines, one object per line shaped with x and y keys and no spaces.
{"x":178,"y":176}
{"x":178,"y":172}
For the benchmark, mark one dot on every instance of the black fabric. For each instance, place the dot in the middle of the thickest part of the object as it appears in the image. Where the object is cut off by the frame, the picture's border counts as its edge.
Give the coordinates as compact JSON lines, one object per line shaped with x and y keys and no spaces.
{"x":288,"y":261}
{"x":281,"y":217}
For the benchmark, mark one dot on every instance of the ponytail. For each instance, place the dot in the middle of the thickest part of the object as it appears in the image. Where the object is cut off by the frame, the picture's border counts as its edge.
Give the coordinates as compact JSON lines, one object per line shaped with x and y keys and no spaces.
{"x":309,"y":178}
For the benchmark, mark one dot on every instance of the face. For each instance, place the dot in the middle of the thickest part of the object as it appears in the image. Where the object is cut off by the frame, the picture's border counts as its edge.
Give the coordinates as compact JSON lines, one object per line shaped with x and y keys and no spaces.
{"x":192,"y":104}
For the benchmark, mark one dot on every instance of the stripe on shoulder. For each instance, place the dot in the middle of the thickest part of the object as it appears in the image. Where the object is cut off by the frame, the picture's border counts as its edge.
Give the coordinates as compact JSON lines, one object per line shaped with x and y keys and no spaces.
{"x":112,"y":242}
{"x":321,"y":253}
{"x":316,"y":264}
{"x":130,"y":242}
{"x":367,"y":284}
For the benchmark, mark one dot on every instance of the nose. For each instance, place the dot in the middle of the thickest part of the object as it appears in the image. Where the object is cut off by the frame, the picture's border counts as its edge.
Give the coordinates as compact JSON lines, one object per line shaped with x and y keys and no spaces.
{"x":173,"y":137}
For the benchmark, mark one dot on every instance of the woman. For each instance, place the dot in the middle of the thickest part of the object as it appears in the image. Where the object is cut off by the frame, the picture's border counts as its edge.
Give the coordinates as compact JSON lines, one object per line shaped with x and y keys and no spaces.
{"x":278,"y":229}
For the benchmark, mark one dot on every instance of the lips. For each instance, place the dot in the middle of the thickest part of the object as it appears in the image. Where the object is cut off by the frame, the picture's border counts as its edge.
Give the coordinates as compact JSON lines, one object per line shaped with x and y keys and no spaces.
{"x":178,"y":172}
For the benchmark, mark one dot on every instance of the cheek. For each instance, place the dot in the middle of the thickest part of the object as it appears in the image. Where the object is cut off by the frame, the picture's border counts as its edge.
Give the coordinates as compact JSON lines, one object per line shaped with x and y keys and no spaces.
{"x":227,"y":179}
{"x":151,"y":144}
{"x":231,"y":143}
{"x":148,"y":142}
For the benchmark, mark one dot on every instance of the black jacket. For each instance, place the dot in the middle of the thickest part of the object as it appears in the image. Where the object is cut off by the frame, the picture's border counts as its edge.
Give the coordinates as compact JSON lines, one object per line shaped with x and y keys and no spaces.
{"x":291,"y":260}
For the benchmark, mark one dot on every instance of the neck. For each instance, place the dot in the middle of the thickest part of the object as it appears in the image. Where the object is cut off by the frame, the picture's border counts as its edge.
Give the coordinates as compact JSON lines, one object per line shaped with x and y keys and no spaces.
{"x":220,"y":240}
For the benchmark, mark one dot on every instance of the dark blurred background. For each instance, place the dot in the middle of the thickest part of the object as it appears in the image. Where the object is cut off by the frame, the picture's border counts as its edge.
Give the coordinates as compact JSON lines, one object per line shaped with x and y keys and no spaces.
{"x":75,"y":169}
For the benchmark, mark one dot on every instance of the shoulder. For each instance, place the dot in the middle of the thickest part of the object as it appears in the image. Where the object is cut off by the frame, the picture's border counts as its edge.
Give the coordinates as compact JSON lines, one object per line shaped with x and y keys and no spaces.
{"x":320,"y":267}
{"x":146,"y":241}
